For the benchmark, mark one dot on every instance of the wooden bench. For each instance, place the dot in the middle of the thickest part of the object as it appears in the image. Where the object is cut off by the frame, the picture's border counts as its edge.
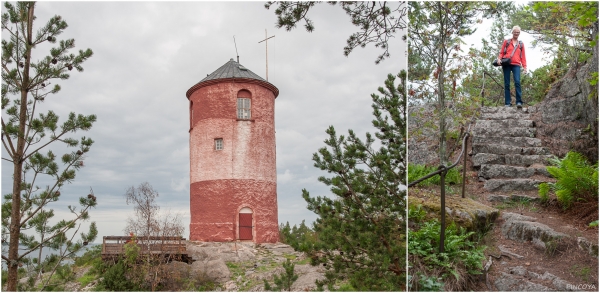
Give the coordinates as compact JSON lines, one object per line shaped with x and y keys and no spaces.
{"x":172,"y":248}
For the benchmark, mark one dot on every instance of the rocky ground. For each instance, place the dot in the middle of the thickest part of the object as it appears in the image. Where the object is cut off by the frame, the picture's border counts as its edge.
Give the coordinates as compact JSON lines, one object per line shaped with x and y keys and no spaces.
{"x":235,"y":266}
{"x":532,"y":246}
{"x":242,"y":266}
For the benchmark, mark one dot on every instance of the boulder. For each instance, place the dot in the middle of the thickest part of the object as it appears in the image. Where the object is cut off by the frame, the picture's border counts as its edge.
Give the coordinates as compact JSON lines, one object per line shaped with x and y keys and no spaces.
{"x":215,"y":269}
{"x":522,"y":228}
{"x":465,"y":212}
{"x":520,"y":279}
{"x":586,"y":245}
{"x":508,"y":282}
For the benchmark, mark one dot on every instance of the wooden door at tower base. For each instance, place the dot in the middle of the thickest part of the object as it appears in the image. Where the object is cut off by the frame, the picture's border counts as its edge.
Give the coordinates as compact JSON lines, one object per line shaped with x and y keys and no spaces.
{"x":245,"y":226}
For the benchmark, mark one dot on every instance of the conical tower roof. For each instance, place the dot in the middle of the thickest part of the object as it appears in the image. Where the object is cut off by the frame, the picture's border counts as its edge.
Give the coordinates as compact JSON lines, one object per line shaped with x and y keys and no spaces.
{"x":234,"y":72}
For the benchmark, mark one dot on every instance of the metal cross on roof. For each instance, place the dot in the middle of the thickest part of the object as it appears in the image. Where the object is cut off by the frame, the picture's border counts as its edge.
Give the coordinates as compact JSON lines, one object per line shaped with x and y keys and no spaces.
{"x":267,"y":52}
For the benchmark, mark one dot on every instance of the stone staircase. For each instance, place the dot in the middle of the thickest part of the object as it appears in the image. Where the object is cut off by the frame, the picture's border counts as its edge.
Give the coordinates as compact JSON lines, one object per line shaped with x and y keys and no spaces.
{"x":506,"y":152}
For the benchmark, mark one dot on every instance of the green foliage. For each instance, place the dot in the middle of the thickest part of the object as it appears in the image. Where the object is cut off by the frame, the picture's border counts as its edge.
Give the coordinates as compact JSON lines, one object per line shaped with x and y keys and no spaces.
{"x":361,"y":232}
{"x":428,"y":284}
{"x":461,"y":254}
{"x":86,"y":279}
{"x":378,"y":21}
{"x":4,"y":276}
{"x":283,"y":281}
{"x":90,"y":257}
{"x":543,"y":191}
{"x":577,"y":179}
{"x":416,"y":171}
{"x":115,"y":279}
{"x":301,"y":238}
{"x":556,"y":26}
{"x":593,"y":224}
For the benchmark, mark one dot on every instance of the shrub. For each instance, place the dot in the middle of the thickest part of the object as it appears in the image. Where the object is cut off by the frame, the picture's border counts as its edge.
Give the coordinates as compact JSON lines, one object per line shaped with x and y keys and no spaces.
{"x":115,"y":279}
{"x":577,"y":179}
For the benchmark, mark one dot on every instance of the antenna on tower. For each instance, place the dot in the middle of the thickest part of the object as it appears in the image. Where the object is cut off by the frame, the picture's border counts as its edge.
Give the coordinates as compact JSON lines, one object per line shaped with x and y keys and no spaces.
{"x":236,"y":52}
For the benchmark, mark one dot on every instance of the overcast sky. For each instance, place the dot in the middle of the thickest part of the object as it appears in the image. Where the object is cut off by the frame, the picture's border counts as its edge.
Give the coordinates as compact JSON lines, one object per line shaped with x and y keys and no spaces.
{"x":148,"y":54}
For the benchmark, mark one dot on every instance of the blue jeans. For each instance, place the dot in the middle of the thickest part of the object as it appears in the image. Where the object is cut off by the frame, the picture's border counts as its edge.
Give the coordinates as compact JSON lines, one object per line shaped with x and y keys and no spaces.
{"x":516,"y":70}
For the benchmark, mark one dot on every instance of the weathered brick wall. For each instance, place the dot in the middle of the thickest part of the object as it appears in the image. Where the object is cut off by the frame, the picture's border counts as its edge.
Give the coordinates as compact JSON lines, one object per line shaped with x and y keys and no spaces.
{"x":243,"y":173}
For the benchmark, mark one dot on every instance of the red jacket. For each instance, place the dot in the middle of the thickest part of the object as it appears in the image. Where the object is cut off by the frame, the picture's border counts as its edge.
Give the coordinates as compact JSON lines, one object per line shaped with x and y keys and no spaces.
{"x":518,"y":58}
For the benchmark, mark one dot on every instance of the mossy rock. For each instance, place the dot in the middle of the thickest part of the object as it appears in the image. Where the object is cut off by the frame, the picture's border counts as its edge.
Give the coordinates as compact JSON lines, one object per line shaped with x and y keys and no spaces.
{"x":465,"y":212}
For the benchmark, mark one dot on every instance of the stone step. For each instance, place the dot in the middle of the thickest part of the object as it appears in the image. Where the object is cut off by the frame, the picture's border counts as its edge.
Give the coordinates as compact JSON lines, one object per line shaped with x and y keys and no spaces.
{"x":508,"y":123}
{"x":509,"y":141}
{"x":504,"y":131}
{"x":504,"y":171}
{"x":502,"y":109}
{"x":512,"y":184}
{"x":503,"y":115}
{"x":501,"y":149}
{"x":512,"y":159}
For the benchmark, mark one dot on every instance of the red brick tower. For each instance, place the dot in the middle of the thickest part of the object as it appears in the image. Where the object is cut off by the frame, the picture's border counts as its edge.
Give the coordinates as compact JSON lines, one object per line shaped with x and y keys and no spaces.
{"x":233,"y":177}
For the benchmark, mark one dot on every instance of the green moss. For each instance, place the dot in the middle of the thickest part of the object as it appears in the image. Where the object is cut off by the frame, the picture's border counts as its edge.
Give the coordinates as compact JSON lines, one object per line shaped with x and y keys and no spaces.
{"x":464,"y":210}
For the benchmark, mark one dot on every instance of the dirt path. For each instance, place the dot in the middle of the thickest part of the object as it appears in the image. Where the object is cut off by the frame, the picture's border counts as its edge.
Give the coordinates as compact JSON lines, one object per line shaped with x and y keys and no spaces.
{"x":565,"y":267}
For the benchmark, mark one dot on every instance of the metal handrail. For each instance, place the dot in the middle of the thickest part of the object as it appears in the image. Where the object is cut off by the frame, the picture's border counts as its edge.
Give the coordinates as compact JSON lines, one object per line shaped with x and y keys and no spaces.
{"x":442,"y":170}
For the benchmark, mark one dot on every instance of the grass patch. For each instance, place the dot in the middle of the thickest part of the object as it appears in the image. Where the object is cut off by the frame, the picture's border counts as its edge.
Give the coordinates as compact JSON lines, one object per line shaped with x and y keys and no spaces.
{"x":453,"y":176}
{"x":86,"y":279}
{"x":582,"y":272}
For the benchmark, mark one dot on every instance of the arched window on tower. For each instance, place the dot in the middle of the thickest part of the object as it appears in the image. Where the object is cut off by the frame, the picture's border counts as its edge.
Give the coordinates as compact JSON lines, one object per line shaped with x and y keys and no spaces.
{"x":243,"y":105}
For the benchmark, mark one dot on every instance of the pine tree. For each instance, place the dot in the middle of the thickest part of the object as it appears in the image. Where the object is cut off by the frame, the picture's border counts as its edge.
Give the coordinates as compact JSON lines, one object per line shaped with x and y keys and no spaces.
{"x":283,"y":281}
{"x":25,"y":136}
{"x":379,"y":21}
{"x":361,"y":232}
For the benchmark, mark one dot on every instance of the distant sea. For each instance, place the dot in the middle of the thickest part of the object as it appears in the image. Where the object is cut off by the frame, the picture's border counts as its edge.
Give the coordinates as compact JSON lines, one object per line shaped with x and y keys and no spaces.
{"x":45,"y":252}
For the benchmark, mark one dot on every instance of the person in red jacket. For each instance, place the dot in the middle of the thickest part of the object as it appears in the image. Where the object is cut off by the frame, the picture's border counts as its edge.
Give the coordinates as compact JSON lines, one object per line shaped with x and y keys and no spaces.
{"x":517,"y":61}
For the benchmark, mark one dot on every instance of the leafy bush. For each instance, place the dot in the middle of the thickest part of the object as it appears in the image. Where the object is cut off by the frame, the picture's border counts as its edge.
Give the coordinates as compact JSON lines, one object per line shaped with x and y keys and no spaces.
{"x":577,"y":179}
{"x":453,"y":176}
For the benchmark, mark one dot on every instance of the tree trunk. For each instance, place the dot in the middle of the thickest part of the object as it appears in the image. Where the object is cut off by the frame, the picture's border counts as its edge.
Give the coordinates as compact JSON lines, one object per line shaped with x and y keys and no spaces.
{"x":15,"y":217}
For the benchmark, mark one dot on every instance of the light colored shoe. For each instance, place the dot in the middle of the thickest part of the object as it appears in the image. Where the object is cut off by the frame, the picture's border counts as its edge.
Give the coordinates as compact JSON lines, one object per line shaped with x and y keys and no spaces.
{"x":519,"y":106}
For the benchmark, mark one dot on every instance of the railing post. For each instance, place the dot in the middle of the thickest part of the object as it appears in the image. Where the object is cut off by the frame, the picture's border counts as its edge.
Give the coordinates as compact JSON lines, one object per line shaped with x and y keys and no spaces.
{"x":443,"y":208}
{"x":465,"y":164}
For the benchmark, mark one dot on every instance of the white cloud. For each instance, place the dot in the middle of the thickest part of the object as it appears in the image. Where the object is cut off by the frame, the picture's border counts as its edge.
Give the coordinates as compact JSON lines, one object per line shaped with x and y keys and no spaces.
{"x":148,"y":54}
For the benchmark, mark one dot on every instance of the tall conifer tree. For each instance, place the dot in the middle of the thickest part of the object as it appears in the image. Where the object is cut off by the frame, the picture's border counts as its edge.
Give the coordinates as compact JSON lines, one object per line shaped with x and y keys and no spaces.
{"x":361,"y":232}
{"x":25,"y":136}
